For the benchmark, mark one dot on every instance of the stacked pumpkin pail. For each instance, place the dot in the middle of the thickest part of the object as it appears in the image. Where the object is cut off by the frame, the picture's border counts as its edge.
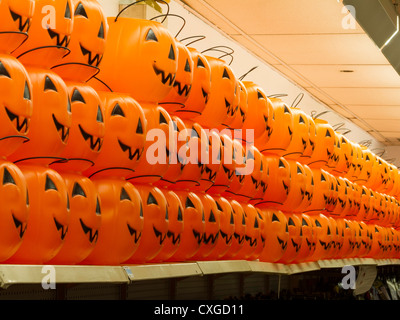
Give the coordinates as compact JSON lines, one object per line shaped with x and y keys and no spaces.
{"x":119,"y":144}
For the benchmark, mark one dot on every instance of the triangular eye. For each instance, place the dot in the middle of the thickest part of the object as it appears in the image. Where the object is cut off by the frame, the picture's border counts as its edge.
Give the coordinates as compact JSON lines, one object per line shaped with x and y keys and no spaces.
{"x":301,"y":120}
{"x":328,"y":134}
{"x":281,"y":164}
{"x":77,"y":96}
{"x":68,"y":11}
{"x":151,"y":35}
{"x":3,"y":71}
{"x":200,"y":63}
{"x":166,"y":213}
{"x":78,"y":191}
{"x":212,"y":217}
{"x":180,"y":217}
{"x":194,"y":133}
{"x":27,"y":91}
{"x":124,"y":195}
{"x":274,"y":218}
{"x":49,"y":84}
{"x":318,"y":224}
{"x":99,"y":117}
{"x":256,"y":223}
{"x":260,"y":95}
{"x":304,"y":222}
{"x":139,"y":128}
{"x":7,"y":177}
{"x":299,"y":170}
{"x":117,"y":111}
{"x":151,"y":199}
{"x":50,"y":185}
{"x":329,"y":231}
{"x":69,"y":109}
{"x":80,"y":11}
{"x":232,"y":221}
{"x":187,"y":66}
{"x":98,"y":207}
{"x":101,"y":31}
{"x":162,"y":119}
{"x":171,"y":54}
{"x":322,"y":178}
{"x":291,"y":222}
{"x":141,"y":209}
{"x":226,"y":74}
{"x":243,"y":220}
{"x":218,"y":206}
{"x":286,"y":109}
{"x":250,"y":156}
{"x":189,"y":203}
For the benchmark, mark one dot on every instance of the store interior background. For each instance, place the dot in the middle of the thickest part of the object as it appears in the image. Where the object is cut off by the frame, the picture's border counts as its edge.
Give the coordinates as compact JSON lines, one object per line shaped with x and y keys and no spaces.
{"x":305,"y":48}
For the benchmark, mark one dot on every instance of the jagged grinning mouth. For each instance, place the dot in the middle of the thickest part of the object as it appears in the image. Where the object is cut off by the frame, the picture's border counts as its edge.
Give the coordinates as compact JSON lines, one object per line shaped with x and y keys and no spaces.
{"x":282,"y":243}
{"x":239,"y":238}
{"x":94,"y":143}
{"x":185,"y":90}
{"x":170,"y":78}
{"x":197,"y":236}
{"x":137,"y":153}
{"x":176,"y":239}
{"x":61,"y":42}
{"x":64,"y":132}
{"x":228,"y":240}
{"x":252,"y":242}
{"x":92,"y":61}
{"x":211,"y":238}
{"x":159,"y":234}
{"x":59,"y":227}
{"x":22,"y":127}
{"x":19,"y":225}
{"x":133,"y":232}
{"x":22,"y":26}
{"x":296,"y":245}
{"x":88,"y":230}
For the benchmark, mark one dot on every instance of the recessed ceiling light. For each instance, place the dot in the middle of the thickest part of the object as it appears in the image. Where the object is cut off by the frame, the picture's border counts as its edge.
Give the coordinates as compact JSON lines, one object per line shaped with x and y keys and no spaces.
{"x":347,"y":71}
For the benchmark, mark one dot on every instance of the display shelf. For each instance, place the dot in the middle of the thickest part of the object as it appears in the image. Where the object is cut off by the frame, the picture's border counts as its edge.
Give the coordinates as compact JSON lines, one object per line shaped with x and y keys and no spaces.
{"x":127,"y":274}
{"x":36,"y":274}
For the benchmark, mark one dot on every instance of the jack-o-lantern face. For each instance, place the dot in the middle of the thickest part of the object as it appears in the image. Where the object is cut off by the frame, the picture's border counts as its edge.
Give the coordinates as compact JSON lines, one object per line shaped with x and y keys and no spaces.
{"x":277,"y":235}
{"x":87,"y":128}
{"x":48,"y":215}
{"x":198,"y":96}
{"x":89,"y":34}
{"x":282,"y":134}
{"x":347,"y":238}
{"x":322,"y":189}
{"x":355,"y":161}
{"x":253,"y":234}
{"x":85,"y":220}
{"x":259,"y":117}
{"x":295,"y":238}
{"x":226,"y":228}
{"x":279,"y":182}
{"x":312,"y":135}
{"x":176,"y":98}
{"x":388,"y":177}
{"x":156,"y":148}
{"x":147,"y":51}
{"x":226,"y":173}
{"x":339,"y":162}
{"x":238,"y":157}
{"x":344,"y":199}
{"x":51,"y":119}
{"x":124,"y":136}
{"x":155,"y":224}
{"x":51,"y":33}
{"x":239,"y":234}
{"x":193,"y":226}
{"x":308,"y":239}
{"x":177,"y":153}
{"x":122,"y":221}
{"x":223,"y":99}
{"x":15,"y":17}
{"x":331,"y":201}
{"x":211,"y":227}
{"x":365,"y":246}
{"x":369,"y":172}
{"x":210,"y":161}
{"x":300,"y":138}
{"x":251,"y":188}
{"x":298,"y":186}
{"x":16,"y":105}
{"x":366,"y":202}
{"x":175,"y":226}
{"x":337,"y":239}
{"x":241,"y":114}
{"x":324,"y":144}
{"x":15,"y":208}
{"x":323,"y":234}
